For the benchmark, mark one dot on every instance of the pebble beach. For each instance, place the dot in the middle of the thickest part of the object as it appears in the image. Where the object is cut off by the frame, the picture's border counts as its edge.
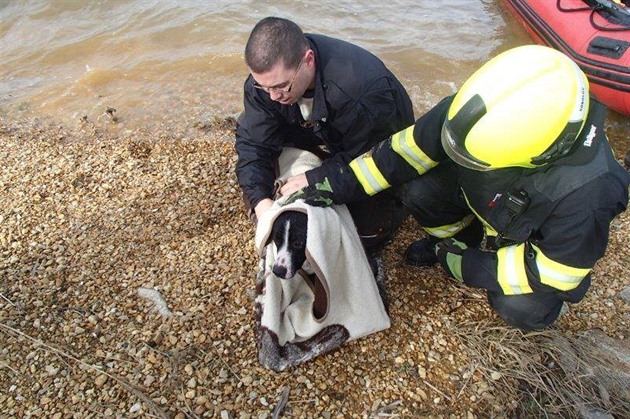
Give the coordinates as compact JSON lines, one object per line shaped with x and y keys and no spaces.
{"x":127,"y":274}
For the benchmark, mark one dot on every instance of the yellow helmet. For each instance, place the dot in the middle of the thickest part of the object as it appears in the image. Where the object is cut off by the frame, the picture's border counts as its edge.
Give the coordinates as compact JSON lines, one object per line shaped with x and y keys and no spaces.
{"x":525,"y":108}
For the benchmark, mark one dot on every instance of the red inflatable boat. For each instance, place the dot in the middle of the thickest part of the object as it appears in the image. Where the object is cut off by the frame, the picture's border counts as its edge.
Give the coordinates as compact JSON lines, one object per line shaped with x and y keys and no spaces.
{"x":595,"y":33}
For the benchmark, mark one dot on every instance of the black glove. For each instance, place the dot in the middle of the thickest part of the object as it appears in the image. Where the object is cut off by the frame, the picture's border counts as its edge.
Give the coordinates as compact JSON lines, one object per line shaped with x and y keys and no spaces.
{"x":318,"y":195}
{"x":449,"y":253}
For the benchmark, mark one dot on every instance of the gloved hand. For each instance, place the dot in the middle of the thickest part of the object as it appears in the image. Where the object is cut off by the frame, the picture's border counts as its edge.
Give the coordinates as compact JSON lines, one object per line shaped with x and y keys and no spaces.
{"x":449,"y":253}
{"x":318,"y":195}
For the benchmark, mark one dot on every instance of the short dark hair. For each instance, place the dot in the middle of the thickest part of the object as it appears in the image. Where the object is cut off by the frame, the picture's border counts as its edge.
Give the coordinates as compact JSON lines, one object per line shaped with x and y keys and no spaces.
{"x":275,"y":40}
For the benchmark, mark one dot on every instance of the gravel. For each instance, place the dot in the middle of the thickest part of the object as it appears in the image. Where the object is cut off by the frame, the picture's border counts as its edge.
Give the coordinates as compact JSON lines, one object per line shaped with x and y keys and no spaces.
{"x":126,"y":276}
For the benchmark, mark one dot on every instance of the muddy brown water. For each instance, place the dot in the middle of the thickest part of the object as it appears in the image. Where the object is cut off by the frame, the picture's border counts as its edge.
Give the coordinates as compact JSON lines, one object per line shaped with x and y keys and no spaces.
{"x":153,"y":60}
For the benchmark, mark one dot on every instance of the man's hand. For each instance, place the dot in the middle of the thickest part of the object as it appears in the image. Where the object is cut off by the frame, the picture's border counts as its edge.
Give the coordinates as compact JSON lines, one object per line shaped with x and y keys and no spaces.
{"x":294,"y":184}
{"x":449,"y":253}
{"x":318,"y":195}
{"x":262,"y":207}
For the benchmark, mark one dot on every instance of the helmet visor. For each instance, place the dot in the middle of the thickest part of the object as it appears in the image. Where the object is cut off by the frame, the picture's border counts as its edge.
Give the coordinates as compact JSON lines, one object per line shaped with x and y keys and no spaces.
{"x":455,"y":150}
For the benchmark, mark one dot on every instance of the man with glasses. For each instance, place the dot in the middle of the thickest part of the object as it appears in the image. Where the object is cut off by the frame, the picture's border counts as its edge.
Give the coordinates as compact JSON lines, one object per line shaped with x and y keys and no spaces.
{"x":323,"y":95}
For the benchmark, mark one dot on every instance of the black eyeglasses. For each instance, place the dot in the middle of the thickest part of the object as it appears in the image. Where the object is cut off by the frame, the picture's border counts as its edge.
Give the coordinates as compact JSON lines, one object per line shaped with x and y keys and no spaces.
{"x":278,"y":89}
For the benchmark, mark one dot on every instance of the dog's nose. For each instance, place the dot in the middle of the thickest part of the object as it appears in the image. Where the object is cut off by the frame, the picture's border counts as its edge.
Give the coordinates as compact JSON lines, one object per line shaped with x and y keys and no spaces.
{"x":279,"y":271}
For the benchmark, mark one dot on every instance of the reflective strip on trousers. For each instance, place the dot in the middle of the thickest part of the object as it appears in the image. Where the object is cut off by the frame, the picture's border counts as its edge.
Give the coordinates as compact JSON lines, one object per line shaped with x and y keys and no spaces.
{"x":449,"y":230}
{"x":405,"y":146}
{"x":369,"y":176}
{"x":556,"y":274}
{"x":511,"y":270}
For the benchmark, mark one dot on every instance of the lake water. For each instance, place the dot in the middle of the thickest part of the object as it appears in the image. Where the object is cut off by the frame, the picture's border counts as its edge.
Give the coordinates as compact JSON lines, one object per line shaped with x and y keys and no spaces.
{"x":182,"y":60}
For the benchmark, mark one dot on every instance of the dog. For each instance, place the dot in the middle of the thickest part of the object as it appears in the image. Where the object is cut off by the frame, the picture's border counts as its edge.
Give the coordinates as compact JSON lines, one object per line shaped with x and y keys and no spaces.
{"x":289,"y":232}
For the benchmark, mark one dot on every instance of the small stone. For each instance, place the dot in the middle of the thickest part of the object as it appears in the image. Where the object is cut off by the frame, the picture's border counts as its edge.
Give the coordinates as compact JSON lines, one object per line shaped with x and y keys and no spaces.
{"x":52,"y":370}
{"x":152,"y":358}
{"x":149,"y":380}
{"x":100,"y":380}
{"x":136,"y":407}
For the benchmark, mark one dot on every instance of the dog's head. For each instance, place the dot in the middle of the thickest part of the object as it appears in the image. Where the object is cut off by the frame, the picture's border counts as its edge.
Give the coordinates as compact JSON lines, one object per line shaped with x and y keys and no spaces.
{"x":289,"y":235}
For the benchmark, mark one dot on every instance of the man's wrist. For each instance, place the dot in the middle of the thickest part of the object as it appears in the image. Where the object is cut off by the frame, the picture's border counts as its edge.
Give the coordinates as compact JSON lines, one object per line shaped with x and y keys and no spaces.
{"x":262,"y":206}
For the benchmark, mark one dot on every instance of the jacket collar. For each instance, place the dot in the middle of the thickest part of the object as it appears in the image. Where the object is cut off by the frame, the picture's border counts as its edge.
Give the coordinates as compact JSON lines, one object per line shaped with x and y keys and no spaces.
{"x":320,"y":111}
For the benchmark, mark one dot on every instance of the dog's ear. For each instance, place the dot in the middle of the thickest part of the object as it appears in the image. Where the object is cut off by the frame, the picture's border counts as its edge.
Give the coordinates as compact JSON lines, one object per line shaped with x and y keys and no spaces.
{"x":272,"y":231}
{"x":270,"y":235}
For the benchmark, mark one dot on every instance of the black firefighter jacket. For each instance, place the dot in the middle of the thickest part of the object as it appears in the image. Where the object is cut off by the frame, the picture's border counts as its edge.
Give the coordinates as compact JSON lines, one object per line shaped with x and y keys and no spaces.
{"x":357,"y":103}
{"x":548,"y":245}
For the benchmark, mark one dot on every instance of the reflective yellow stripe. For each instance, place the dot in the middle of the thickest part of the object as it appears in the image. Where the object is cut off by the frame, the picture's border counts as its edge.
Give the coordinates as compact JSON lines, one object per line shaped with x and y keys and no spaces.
{"x":405,"y":146}
{"x":556,"y":274}
{"x":446,"y":231}
{"x":511,"y":270}
{"x":368,"y":174}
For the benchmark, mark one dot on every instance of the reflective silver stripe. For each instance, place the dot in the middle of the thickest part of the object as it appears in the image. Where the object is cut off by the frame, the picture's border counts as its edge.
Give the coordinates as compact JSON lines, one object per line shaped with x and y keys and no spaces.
{"x":511,"y":270}
{"x":368,"y":174}
{"x":404,"y":144}
{"x":556,"y":274}
{"x":560,"y":277}
{"x":443,"y":232}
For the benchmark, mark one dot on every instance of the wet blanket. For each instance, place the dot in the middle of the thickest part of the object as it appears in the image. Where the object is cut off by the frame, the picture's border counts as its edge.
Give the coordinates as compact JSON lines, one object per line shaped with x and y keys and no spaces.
{"x":333,"y":299}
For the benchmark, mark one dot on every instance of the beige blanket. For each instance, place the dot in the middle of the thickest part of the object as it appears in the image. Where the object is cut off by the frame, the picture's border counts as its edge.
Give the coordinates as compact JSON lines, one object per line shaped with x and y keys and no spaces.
{"x":337,"y":278}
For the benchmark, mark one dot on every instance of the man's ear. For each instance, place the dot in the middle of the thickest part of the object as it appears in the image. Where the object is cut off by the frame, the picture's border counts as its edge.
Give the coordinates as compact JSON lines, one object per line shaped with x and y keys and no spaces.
{"x":309,"y":58}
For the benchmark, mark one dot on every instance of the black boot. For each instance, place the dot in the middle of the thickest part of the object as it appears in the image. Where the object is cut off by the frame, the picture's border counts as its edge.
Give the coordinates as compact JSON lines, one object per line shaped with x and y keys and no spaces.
{"x":422,"y":252}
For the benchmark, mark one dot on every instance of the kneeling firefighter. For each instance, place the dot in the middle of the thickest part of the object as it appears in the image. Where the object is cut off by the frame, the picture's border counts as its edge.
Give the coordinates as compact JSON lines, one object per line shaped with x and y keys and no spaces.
{"x":512,"y":179}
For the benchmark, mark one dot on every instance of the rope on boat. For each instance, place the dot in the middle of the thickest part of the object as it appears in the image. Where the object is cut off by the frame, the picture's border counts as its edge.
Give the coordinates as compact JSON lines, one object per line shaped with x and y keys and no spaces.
{"x":602,"y":6}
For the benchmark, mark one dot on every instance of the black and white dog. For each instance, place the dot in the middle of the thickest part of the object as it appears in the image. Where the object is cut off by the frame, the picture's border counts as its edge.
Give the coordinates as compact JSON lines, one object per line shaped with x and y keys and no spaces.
{"x":289,"y":235}
{"x":289,"y":232}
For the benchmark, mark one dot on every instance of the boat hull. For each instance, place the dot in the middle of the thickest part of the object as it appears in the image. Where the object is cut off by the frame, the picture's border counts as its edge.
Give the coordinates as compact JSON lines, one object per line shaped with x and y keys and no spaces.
{"x":601,"y":48}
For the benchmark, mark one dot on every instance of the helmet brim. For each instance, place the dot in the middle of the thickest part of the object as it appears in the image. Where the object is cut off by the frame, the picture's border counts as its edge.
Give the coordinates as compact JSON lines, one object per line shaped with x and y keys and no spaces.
{"x":458,"y":154}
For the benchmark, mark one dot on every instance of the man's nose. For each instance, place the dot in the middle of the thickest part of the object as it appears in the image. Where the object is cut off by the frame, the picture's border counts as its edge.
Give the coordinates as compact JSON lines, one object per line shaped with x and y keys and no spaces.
{"x":275,"y":95}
